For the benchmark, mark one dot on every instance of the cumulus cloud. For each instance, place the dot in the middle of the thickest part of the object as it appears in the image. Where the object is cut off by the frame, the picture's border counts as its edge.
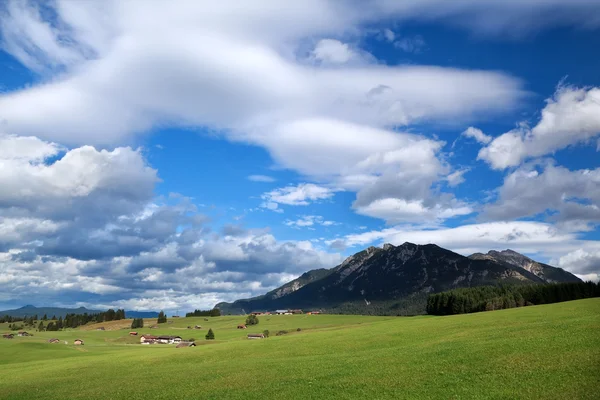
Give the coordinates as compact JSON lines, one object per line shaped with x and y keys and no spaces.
{"x":332,"y":52}
{"x":477,"y":134}
{"x":307,"y":221}
{"x":565,"y":195}
{"x":571,"y":116}
{"x":85,"y":224}
{"x":299,"y":195}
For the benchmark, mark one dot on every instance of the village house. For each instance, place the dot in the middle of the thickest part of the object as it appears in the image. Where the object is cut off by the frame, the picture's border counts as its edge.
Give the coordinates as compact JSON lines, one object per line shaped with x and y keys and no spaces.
{"x":78,"y":342}
{"x":132,"y":333}
{"x":282,"y":312}
{"x":169,"y":339}
{"x":186,"y":344}
{"x":53,"y":340}
{"x":148,"y":338}
{"x":23,"y":333}
{"x":197,"y":327}
{"x":100,"y":328}
{"x":241,"y":326}
{"x":296,"y":311}
{"x":8,"y":336}
{"x":256,"y":313}
{"x":256,"y":336}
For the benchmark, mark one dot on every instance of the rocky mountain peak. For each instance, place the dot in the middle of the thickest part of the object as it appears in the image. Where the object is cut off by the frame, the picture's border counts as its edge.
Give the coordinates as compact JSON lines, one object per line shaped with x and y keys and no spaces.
{"x":388,"y":246}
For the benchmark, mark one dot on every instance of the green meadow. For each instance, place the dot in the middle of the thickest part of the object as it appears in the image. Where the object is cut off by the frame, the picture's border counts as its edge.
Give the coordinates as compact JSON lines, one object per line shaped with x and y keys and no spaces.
{"x":539,"y":352}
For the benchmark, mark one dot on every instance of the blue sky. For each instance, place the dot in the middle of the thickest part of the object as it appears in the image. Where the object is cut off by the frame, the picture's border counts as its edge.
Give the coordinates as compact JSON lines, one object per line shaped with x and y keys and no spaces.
{"x":170,"y":156}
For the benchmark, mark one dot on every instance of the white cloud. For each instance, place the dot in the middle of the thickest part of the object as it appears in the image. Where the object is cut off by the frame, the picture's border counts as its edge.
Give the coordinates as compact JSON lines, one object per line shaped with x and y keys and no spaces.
{"x":300,"y":195}
{"x":395,"y":210}
{"x":585,"y":261}
{"x":332,"y":52}
{"x":411,"y":44}
{"x":477,"y":134}
{"x":244,"y":74}
{"x":308,"y":221}
{"x":261,"y":178}
{"x":88,"y":225}
{"x":389,"y":35}
{"x":571,"y":117}
{"x":530,"y":190}
{"x":457,"y":177}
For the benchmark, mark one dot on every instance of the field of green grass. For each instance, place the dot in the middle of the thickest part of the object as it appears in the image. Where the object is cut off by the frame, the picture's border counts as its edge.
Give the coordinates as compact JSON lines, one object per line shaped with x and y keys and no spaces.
{"x":540,"y":352}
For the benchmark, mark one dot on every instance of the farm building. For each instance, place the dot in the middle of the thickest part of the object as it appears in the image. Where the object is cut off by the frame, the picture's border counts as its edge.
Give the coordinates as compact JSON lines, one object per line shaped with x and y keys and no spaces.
{"x":197,"y":327}
{"x":282,"y":312}
{"x":256,"y":336}
{"x":257,"y":313}
{"x":78,"y":342}
{"x":132,"y":333}
{"x":169,"y":339}
{"x":53,"y":340}
{"x":100,"y":328}
{"x":23,"y":333}
{"x":296,"y":311}
{"x":186,"y":344}
{"x":148,"y":338}
{"x":241,"y":326}
{"x":8,"y":336}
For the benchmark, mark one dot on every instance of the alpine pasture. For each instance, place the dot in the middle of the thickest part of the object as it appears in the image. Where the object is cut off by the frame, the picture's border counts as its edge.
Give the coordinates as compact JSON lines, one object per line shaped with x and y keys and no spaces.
{"x":548,"y":351}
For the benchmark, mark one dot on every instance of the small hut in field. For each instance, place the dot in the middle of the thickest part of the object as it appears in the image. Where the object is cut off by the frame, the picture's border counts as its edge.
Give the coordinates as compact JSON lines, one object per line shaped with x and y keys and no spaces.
{"x":185,"y":344}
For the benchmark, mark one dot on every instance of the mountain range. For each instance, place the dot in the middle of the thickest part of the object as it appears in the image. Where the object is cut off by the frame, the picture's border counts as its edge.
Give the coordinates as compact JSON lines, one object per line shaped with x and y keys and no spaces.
{"x":396,"y":280}
{"x":29,"y":310}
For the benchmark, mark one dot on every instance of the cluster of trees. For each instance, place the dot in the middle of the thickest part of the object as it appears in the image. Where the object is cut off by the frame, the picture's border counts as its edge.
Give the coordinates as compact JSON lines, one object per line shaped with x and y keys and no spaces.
{"x":137,"y":323}
{"x":15,"y":327}
{"x":215,"y":312}
{"x":489,"y":298}
{"x":162,"y":318}
{"x":252,"y":320}
{"x":8,"y":318}
{"x":210,"y":335}
{"x":75,"y":320}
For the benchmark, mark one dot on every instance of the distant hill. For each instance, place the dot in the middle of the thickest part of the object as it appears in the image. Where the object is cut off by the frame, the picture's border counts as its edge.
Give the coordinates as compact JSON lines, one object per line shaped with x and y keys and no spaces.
{"x":141,"y":314}
{"x":397,"y":280}
{"x":29,"y":310}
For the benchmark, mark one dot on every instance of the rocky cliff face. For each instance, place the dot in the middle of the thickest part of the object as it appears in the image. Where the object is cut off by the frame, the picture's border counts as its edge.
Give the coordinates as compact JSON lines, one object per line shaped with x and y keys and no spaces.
{"x":546,"y":272}
{"x":392,"y":274}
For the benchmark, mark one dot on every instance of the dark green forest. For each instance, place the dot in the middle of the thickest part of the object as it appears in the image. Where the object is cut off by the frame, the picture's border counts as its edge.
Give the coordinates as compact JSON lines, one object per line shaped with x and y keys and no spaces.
{"x":215,"y":312}
{"x":489,"y":298}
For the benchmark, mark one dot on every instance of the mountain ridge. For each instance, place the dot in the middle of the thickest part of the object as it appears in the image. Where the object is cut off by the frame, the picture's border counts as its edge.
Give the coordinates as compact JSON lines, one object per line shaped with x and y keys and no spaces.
{"x":400,"y":278}
{"x":30,"y":310}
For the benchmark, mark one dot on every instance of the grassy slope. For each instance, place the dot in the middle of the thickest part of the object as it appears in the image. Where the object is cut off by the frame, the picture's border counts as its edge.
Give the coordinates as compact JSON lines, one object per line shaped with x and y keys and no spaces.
{"x":549,"y":351}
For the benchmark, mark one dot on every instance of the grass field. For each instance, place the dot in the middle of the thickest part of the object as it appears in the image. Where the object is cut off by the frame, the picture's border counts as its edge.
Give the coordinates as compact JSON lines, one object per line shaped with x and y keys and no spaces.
{"x":541,"y":352}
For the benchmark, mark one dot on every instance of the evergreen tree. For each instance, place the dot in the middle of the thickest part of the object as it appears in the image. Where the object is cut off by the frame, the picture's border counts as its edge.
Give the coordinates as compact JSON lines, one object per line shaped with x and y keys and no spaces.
{"x":210,"y":335}
{"x":162,"y":317}
{"x":45,"y":317}
{"x":41,"y":326}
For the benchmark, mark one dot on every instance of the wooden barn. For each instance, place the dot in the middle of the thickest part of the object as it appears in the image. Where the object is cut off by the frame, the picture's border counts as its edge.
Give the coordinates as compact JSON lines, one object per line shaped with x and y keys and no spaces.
{"x":185,"y":344}
{"x":256,"y":336}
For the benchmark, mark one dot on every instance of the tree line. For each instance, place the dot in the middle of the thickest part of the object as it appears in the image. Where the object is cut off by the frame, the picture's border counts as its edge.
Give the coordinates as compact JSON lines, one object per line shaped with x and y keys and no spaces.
{"x":215,"y":312}
{"x":69,"y":321}
{"x":489,"y":298}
